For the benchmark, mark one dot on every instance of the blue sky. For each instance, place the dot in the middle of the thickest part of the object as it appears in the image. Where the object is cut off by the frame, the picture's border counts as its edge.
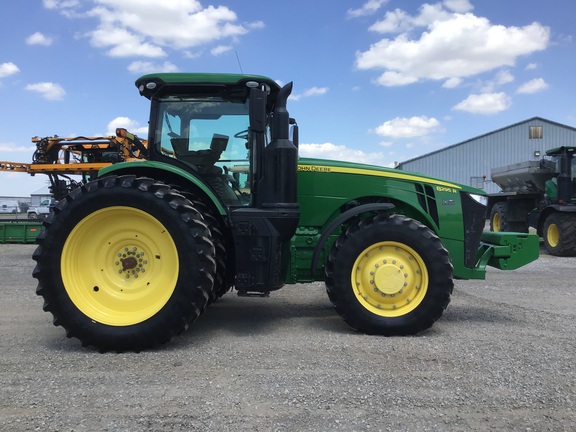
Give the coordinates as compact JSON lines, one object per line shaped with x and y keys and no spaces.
{"x":375,"y":81}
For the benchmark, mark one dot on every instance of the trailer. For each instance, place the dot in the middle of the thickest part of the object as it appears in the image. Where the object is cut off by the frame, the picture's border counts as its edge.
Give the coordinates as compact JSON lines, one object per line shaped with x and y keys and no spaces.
{"x":19,"y":231}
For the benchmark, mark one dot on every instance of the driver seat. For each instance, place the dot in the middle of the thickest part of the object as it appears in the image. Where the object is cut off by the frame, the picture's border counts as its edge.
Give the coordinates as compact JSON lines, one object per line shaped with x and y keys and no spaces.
{"x":203,"y":160}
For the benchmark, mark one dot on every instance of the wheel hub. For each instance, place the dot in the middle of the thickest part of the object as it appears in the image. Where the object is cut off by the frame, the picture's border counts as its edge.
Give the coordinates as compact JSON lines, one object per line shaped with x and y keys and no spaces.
{"x":389,"y":279}
{"x":131,"y":262}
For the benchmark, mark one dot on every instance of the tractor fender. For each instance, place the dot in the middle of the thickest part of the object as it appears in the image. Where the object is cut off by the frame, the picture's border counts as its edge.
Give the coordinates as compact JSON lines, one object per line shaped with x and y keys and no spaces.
{"x":563,"y":208}
{"x":164,"y":172}
{"x":347,"y":215}
{"x":536,"y":218}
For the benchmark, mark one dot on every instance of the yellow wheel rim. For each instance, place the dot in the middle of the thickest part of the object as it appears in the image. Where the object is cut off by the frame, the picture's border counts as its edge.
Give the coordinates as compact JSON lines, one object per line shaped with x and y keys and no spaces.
{"x":390,"y":279}
{"x":119,"y":266}
{"x":496,"y":222}
{"x":553,"y":235}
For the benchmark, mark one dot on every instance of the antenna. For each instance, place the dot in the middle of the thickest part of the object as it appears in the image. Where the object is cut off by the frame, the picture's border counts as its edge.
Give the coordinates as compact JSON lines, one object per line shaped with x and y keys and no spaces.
{"x":238,"y":60}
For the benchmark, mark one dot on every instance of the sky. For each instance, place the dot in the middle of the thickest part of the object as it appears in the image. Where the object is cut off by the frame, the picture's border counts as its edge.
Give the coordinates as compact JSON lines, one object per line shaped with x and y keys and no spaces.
{"x":375,"y":81}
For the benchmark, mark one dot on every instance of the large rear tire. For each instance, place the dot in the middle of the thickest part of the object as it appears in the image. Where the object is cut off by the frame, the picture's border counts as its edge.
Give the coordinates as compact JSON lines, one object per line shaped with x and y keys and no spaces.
{"x":389,"y":275}
{"x":124,"y":264}
{"x":559,"y":234}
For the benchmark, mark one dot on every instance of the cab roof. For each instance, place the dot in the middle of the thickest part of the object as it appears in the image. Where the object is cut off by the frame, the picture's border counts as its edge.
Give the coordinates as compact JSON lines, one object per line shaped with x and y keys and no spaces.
{"x":150,"y":84}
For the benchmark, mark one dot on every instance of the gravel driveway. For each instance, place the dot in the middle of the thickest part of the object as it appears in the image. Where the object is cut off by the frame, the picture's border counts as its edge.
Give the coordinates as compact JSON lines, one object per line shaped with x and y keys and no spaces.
{"x":501,"y":358}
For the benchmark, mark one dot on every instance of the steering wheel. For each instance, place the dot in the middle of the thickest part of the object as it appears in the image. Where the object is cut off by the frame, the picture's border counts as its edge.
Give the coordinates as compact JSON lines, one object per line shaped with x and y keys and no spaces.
{"x":242,"y":134}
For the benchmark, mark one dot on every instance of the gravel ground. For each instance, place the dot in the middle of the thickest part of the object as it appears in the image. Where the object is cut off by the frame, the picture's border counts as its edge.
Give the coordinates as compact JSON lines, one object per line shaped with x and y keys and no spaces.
{"x":501,"y":358}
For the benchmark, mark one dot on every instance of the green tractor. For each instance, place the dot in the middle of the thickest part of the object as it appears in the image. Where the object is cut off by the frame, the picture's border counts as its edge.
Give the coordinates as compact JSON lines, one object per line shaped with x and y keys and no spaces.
{"x":221,"y":201}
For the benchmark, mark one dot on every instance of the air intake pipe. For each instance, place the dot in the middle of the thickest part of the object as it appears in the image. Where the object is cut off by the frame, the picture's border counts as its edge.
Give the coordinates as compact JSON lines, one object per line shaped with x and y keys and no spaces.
{"x":280,"y":159}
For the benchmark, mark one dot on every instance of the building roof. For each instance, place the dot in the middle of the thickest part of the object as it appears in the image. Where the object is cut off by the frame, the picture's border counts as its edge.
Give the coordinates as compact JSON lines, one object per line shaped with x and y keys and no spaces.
{"x":487,"y":134}
{"x":42,"y":191}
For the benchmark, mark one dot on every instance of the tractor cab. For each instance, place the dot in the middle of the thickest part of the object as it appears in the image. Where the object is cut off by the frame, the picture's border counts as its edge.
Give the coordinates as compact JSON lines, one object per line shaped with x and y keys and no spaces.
{"x":562,"y":188}
{"x":217,"y":126}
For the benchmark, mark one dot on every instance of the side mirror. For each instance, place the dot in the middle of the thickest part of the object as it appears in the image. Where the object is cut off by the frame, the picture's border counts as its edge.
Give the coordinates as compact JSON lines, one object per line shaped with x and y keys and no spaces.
{"x":258,"y":101}
{"x":295,"y":138}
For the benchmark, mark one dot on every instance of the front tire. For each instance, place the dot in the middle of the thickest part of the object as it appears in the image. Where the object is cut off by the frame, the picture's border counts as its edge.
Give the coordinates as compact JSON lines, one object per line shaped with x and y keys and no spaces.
{"x":389,"y":275}
{"x":124,"y":264}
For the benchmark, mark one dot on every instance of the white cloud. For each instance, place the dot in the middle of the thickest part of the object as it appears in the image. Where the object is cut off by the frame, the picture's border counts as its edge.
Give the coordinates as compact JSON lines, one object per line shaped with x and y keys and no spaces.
{"x":67,"y":8}
{"x":504,"y":77}
{"x":256,"y":25}
{"x":220,"y":49}
{"x":449,"y":45}
{"x":148,"y":28}
{"x":39,"y":39}
{"x":124,"y":43}
{"x":487,"y":103}
{"x":191,"y":55}
{"x":60,"y":4}
{"x":393,"y":79}
{"x":48,"y":90}
{"x":7,"y":69}
{"x":145,"y":67}
{"x":531,"y":66}
{"x":130,"y":125}
{"x":368,"y":8}
{"x":452,"y":82}
{"x":501,"y":78}
{"x":404,"y":127}
{"x":398,"y":21}
{"x":343,"y":153}
{"x":533,"y":86}
{"x":313,"y":91}
{"x":461,"y":6}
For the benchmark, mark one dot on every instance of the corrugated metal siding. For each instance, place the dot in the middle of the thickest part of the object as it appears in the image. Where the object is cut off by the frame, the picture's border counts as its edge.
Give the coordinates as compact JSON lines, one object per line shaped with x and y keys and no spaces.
{"x":465,"y":162}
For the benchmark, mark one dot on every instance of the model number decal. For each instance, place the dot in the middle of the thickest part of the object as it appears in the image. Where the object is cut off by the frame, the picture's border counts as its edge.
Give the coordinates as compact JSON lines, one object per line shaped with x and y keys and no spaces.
{"x":445,"y":189}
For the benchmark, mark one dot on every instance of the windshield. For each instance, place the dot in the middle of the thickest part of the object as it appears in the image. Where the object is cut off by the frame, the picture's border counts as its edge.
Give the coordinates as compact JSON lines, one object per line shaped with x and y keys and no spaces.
{"x":557,"y":160}
{"x":211,"y":135}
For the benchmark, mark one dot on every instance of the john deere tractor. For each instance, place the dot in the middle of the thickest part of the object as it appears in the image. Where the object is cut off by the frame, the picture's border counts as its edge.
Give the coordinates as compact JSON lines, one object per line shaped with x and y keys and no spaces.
{"x":219,"y":200}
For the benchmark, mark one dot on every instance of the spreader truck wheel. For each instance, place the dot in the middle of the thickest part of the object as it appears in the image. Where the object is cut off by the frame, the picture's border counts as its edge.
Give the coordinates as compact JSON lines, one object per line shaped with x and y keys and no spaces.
{"x":389,"y":275}
{"x":500,"y":222}
{"x":125,"y":264}
{"x":559,"y":234}
{"x":499,"y":217}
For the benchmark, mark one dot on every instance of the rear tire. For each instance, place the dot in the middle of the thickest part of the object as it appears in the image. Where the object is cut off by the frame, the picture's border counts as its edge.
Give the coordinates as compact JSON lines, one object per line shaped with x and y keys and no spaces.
{"x":124,"y":264}
{"x":559,"y":234}
{"x":389,"y":275}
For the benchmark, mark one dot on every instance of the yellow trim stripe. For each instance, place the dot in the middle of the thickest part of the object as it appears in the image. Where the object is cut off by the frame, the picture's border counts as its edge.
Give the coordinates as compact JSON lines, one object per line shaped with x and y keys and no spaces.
{"x":361,"y":171}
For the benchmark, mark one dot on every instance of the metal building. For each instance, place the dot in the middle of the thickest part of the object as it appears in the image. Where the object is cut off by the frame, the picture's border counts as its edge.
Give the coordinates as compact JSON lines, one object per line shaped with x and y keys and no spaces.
{"x":467,"y":162}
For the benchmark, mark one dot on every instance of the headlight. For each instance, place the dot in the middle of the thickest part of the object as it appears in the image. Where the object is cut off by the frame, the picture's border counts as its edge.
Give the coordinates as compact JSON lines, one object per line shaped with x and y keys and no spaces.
{"x":480,"y":199}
